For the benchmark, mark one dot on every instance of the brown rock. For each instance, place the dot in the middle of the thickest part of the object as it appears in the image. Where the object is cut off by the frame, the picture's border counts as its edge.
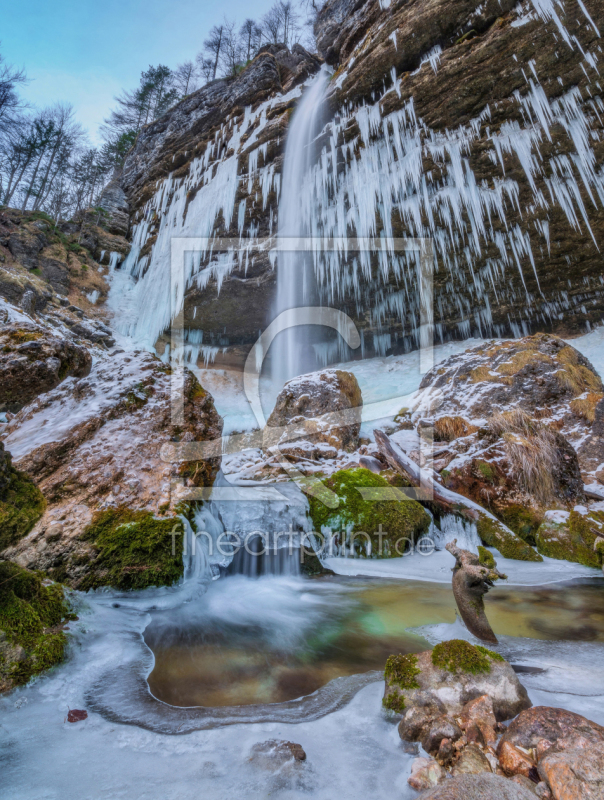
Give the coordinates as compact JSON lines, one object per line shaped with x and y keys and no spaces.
{"x":514,"y":761}
{"x":304,"y":400}
{"x":446,"y":752}
{"x":77,"y":715}
{"x":425,"y":773}
{"x":276,"y":753}
{"x":575,"y":773}
{"x":543,"y":722}
{"x":34,"y":360}
{"x":119,"y":440}
{"x":472,"y":761}
{"x":441,"y":728}
{"x":543,"y":745}
{"x":542,"y":790}
{"x":479,"y":712}
{"x":485,"y":786}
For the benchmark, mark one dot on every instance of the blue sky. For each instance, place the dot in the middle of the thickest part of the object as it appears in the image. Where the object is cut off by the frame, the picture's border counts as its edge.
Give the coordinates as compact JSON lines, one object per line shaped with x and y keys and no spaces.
{"x":85,"y":52}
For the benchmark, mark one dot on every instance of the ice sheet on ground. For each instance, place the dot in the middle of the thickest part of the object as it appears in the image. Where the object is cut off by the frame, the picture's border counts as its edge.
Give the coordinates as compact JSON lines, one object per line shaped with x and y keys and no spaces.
{"x":437,"y":567}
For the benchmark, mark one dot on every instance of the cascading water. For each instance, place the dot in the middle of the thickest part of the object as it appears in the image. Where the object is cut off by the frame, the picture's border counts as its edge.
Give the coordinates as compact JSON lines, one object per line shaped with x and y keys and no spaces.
{"x":291,"y":353}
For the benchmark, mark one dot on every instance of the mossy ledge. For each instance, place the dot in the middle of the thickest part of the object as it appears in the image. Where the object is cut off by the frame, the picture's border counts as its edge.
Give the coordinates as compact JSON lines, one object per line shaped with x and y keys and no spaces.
{"x":401,"y":671}
{"x":31,"y":616}
{"x":134,"y":550}
{"x":21,"y":506}
{"x":574,"y":540}
{"x":493,"y":534}
{"x":457,"y":655}
{"x":399,"y":520}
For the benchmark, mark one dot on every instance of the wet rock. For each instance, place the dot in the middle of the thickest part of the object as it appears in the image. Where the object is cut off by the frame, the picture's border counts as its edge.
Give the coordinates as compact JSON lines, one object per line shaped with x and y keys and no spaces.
{"x":77,"y":715}
{"x":421,"y":686}
{"x":113,"y":202}
{"x":425,"y":773}
{"x":304,"y":400}
{"x":440,"y":728}
{"x":28,"y":302}
{"x":472,"y":761}
{"x":275,"y":754}
{"x":478,"y":787}
{"x":34,"y":360}
{"x":514,"y":761}
{"x":471,"y":581}
{"x":574,"y":772}
{"x":126,"y":448}
{"x":544,"y":723}
{"x":572,"y":536}
{"x":479,"y":714}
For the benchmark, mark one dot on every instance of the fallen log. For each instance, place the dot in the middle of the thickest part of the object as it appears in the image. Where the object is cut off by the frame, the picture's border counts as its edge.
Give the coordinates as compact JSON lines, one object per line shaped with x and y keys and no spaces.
{"x":492,"y":532}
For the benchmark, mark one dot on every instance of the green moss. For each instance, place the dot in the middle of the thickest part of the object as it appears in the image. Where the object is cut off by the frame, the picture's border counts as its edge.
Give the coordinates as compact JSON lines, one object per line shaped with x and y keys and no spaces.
{"x":20,"y":336}
{"x":523,"y":521}
{"x":402,"y":671}
{"x":21,"y":506}
{"x":28,"y":613}
{"x":399,"y":520}
{"x":134,"y":550}
{"x":493,"y":534}
{"x":394,"y":702}
{"x":486,"y":558}
{"x":574,"y":540}
{"x":458,"y":655}
{"x":486,"y":470}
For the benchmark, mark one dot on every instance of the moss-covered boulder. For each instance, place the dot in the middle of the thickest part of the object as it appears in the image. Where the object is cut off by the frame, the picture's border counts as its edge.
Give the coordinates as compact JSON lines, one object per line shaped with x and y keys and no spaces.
{"x":21,"y":502}
{"x":133,"y":550}
{"x":31,"y":618}
{"x":380,"y":528}
{"x":572,"y":536}
{"x":441,"y":681}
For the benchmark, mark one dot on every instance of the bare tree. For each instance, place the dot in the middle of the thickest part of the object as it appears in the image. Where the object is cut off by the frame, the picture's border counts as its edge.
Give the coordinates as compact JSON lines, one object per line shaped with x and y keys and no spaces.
{"x":272,"y":24}
{"x":205,"y":67}
{"x":10,"y":102}
{"x":250,"y":34}
{"x":213,"y":46}
{"x":231,"y":50}
{"x":185,"y":78}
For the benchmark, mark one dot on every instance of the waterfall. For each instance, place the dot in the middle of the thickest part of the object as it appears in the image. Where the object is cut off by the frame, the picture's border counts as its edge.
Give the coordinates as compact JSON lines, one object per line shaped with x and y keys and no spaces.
{"x":291,"y":353}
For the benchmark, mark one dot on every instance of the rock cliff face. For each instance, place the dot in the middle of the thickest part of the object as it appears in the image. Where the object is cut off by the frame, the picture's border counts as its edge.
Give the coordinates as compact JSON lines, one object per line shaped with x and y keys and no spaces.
{"x":474,"y":125}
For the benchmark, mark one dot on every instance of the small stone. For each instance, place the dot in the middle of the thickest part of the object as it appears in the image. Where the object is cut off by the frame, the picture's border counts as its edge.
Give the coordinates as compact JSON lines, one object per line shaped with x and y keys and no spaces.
{"x":472,"y":761}
{"x":514,"y":761}
{"x":53,"y":532}
{"x":442,"y":728}
{"x":77,"y":715}
{"x":411,"y":748}
{"x":474,"y":735}
{"x":445,"y":752}
{"x":542,"y":791}
{"x":425,"y":773}
{"x":276,"y":753}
